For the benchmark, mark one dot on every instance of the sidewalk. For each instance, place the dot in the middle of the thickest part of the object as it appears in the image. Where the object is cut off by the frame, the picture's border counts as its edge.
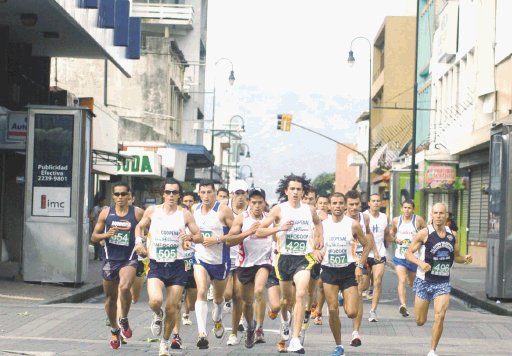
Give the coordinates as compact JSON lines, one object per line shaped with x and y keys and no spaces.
{"x":468,"y":284}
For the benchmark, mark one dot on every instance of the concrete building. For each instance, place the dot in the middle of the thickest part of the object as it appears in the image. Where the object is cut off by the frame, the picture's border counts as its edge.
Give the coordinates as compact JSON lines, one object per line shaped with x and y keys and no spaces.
{"x":346,"y":174}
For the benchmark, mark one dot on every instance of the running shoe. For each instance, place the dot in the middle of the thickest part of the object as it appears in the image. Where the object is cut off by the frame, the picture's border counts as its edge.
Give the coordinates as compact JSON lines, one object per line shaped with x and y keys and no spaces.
{"x":156,"y":323}
{"x":242,"y":325}
{"x":260,"y":336}
{"x":249,"y":338}
{"x":202,"y":341}
{"x":176,"y":342}
{"x":285,"y":329}
{"x":210,"y":293}
{"x":233,"y":340}
{"x":123,"y":340}
{"x":227,"y":307}
{"x":338,"y":351}
{"x":307,"y":316}
{"x":125,"y":328}
{"x":313,"y":310}
{"x":295,"y":346}
{"x":373,"y":316}
{"x":281,"y":346}
{"x":115,"y":339}
{"x":369,"y":294}
{"x":218,"y":329}
{"x":356,"y":339}
{"x":185,"y":319}
{"x":432,"y":353}
{"x":340,"y":298}
{"x":318,"y":320}
{"x":403,"y":310}
{"x":164,"y":348}
{"x":271,"y":314}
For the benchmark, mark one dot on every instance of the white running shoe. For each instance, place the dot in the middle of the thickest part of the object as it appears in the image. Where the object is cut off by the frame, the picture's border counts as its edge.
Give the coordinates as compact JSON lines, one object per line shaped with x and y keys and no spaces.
{"x":295,"y":346}
{"x":373,"y":316}
{"x":285,"y":329}
{"x":185,"y":319}
{"x":432,"y":353}
{"x":156,"y":323}
{"x":233,"y":340}
{"x":227,"y":307}
{"x":164,"y":348}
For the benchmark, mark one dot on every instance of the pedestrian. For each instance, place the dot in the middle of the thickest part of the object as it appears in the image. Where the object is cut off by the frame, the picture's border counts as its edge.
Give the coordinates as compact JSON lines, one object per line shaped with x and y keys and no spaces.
{"x":439,"y":249}
{"x":116,"y":226}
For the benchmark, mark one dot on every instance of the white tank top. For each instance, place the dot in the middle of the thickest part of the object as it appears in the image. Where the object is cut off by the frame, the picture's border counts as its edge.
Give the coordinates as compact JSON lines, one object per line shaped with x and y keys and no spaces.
{"x":233,"y":250}
{"x":405,"y":232}
{"x":296,"y":240}
{"x":254,"y":251}
{"x":338,"y":240}
{"x":378,"y":226}
{"x":163,"y":242}
{"x":358,"y":248}
{"x":210,"y":225}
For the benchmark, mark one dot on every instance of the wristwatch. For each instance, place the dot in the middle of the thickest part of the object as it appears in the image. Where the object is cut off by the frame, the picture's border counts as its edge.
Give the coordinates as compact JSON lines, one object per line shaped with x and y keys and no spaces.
{"x":360,"y":265}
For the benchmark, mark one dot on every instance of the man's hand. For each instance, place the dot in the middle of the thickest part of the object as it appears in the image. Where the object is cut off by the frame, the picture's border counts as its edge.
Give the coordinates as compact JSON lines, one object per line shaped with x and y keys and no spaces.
{"x":187,"y":245}
{"x":318,"y":255}
{"x":253,"y":228}
{"x":210,"y":241}
{"x":286,"y":226}
{"x":111,"y":231}
{"x":468,"y":259}
{"x":426,"y":267}
{"x":141,"y":250}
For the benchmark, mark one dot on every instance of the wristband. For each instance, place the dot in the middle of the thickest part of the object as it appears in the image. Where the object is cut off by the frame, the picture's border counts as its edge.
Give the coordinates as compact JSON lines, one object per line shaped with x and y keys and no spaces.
{"x":218,"y":239}
{"x":360,"y":265}
{"x":139,"y":240}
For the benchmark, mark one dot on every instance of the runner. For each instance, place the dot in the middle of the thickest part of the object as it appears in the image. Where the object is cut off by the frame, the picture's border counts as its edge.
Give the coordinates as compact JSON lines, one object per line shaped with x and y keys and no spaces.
{"x":254,"y":263}
{"x":353,"y":203}
{"x":439,"y":249}
{"x":116,"y":226}
{"x":211,"y":261}
{"x":238,"y":205}
{"x":166,"y":242}
{"x":322,"y":209}
{"x":402,"y":232}
{"x":339,"y":269}
{"x":298,"y":250}
{"x":189,"y":200}
{"x":377,"y":257}
{"x":223,"y":195}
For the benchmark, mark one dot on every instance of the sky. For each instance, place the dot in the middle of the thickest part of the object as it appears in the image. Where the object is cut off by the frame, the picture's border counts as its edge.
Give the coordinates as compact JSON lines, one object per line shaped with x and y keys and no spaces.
{"x":290,"y":56}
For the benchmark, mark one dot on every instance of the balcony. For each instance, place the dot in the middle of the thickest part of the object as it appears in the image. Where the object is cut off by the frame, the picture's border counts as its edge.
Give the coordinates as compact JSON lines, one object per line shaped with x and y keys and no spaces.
{"x":164,"y":13}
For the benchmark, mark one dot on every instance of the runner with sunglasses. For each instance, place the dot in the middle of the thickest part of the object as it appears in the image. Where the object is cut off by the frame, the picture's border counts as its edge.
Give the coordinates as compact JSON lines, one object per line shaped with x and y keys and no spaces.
{"x":116,"y":226}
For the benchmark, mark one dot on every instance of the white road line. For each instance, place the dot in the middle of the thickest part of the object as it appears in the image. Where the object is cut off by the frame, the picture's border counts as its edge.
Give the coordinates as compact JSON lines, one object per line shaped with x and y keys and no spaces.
{"x":81,"y":341}
{"x":19,"y":297}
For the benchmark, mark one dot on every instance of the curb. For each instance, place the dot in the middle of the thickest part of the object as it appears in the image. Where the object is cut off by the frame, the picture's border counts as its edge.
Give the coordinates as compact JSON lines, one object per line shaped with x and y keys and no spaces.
{"x":78,"y":295}
{"x":482,"y":304}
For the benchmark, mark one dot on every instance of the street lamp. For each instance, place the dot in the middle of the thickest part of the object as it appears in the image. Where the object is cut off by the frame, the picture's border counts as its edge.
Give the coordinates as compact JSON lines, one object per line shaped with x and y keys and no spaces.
{"x":231,"y":80}
{"x":351,"y":60}
{"x":241,"y":170}
{"x":241,"y":153}
{"x":242,"y":129}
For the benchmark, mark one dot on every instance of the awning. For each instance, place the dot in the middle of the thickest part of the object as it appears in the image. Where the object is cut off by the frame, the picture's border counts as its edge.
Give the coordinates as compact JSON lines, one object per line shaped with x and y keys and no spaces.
{"x":377,"y":156}
{"x":385,"y":177}
{"x":197,"y":155}
{"x":100,"y":158}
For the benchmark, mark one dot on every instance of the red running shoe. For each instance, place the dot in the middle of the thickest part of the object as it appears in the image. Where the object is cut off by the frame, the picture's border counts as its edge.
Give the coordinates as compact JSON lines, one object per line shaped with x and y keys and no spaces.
{"x":115,"y":339}
{"x":125,"y":328}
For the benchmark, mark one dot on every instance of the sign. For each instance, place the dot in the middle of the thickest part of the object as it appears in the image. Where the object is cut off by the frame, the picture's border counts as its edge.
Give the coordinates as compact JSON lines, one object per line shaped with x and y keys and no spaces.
{"x":17,"y":126}
{"x":52,"y":165}
{"x":439,"y":176}
{"x":141,"y":164}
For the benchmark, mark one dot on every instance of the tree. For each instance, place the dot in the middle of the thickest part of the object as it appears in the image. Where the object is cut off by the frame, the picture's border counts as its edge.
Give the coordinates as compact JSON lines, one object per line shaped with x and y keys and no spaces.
{"x":324,"y":184}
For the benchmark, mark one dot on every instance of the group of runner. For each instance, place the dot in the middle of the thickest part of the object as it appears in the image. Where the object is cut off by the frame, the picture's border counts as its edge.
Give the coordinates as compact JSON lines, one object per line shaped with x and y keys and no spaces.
{"x":303,"y":251}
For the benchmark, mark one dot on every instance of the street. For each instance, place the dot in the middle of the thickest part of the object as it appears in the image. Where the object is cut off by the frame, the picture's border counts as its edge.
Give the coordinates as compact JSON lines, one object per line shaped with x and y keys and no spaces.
{"x":71,"y":329}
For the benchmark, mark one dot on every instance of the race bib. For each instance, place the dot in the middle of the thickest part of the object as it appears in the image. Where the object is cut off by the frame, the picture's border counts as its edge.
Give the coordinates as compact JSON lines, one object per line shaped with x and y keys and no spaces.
{"x":120,"y":238}
{"x":338,"y":258}
{"x":294,"y":245}
{"x":206,"y":233}
{"x":403,"y":249}
{"x":188,"y":264}
{"x":167,"y":253}
{"x":440,"y":268}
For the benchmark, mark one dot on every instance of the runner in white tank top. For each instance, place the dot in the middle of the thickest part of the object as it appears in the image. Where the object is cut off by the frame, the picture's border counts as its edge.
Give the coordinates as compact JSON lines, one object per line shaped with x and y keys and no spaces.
{"x":402,"y":232}
{"x":254,"y":263}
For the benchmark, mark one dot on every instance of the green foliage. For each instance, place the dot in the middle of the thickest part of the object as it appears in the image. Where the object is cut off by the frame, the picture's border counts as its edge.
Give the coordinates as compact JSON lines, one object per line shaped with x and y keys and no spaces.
{"x":324,"y":183}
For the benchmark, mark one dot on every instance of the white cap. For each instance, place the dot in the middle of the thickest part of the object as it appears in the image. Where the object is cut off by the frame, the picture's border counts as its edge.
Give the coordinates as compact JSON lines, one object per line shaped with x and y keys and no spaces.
{"x":238,"y":185}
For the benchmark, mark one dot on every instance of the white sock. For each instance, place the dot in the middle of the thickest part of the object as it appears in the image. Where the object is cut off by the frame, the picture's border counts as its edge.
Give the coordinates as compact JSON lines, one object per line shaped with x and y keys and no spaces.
{"x":201,"y":315}
{"x":217,"y":311}
{"x":285,"y":321}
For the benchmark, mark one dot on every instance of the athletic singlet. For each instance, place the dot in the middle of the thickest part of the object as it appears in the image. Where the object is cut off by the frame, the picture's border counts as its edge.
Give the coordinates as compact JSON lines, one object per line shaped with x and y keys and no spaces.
{"x":188,"y":257}
{"x":338,"y":240}
{"x":210,"y":225}
{"x":405,"y":232}
{"x":378,"y":226}
{"x":233,"y":250}
{"x":254,"y":251}
{"x":439,"y":253}
{"x":119,"y":247}
{"x":357,"y":246}
{"x":163,"y":242}
{"x":296,"y":240}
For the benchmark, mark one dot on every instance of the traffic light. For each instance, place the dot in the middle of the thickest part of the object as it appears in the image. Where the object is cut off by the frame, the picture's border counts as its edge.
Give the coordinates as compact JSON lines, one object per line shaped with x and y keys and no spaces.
{"x":284,"y":122}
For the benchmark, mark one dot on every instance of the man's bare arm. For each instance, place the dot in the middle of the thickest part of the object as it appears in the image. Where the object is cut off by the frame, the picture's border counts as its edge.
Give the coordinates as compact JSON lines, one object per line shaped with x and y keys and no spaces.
{"x":196,"y":236}
{"x":99,"y":233}
{"x":416,"y":244}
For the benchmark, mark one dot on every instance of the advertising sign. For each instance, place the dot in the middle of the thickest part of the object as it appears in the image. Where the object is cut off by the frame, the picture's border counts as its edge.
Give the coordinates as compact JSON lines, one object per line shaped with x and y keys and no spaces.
{"x":439,"y":176}
{"x":141,"y":164}
{"x":17,"y":126}
{"x":53,"y":165}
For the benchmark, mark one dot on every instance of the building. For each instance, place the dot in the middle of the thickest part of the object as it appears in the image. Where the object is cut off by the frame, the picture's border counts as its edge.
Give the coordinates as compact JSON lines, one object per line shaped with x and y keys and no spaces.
{"x":347,"y":176}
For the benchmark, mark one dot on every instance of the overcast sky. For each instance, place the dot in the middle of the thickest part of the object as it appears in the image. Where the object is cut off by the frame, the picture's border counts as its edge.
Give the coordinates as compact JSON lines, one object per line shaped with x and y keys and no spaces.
{"x":291,"y":56}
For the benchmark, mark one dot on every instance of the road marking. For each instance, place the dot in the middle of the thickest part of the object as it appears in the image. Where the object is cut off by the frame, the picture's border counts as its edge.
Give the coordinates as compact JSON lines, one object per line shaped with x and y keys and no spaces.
{"x":35,"y":353}
{"x":19,"y":297}
{"x":272,"y":331}
{"x":81,"y":341}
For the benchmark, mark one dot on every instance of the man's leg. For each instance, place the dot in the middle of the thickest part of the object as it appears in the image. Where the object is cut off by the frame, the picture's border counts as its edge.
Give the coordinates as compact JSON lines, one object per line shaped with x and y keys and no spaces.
{"x":440,"y":306}
{"x":219,"y":287}
{"x":361,"y":287}
{"x":421,"y":310}
{"x":401,"y":273}
{"x":351,"y":299}
{"x":331,"y":297}
{"x":236,"y":303}
{"x":155,"y":297}
{"x":259,"y":286}
{"x":228,"y":292}
{"x":274,"y":299}
{"x":190,"y":300}
{"x":378,"y":273}
{"x":126,"y":278}
{"x":411,"y":275}
{"x":111,"y":288}
{"x":172,"y":307}
{"x":201,"y":305}
{"x":301,"y":280}
{"x":321,"y":300}
{"x":137,"y":288}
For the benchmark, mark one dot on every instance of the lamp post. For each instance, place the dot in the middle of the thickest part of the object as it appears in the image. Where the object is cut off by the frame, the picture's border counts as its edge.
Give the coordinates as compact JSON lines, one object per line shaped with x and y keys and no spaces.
{"x":242,"y":129}
{"x":241,"y":169}
{"x":231,"y":82}
{"x":247,"y":154}
{"x":351,"y":60}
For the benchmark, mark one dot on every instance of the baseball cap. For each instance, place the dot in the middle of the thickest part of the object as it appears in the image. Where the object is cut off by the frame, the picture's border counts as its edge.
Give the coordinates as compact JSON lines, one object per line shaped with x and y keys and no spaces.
{"x":239,"y":185}
{"x":257,"y":191}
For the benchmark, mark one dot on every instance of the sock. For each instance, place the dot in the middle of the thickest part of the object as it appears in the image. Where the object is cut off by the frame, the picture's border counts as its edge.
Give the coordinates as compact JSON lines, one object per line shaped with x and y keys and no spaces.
{"x":201,"y":315}
{"x":258,"y":326}
{"x":285,"y":321}
{"x":217,"y":311}
{"x":114,"y":330}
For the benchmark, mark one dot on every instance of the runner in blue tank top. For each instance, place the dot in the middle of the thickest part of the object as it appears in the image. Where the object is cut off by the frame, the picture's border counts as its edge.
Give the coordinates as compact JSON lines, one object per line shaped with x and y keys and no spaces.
{"x":116,"y":226}
{"x":439,"y":248}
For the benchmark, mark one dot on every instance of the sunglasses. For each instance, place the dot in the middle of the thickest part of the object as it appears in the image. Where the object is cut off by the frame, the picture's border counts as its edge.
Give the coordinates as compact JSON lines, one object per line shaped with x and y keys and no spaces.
{"x":173,"y":192}
{"x":120,"y":194}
